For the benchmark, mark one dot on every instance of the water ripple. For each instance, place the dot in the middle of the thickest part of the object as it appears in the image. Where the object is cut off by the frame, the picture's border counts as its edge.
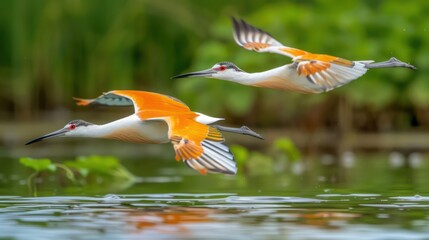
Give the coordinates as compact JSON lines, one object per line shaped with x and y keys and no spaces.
{"x":209,"y":216}
{"x":270,"y":199}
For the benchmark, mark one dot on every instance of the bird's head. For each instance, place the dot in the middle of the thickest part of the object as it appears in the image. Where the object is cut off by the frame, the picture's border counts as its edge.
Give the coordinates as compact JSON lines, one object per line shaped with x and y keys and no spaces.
{"x":75,"y":128}
{"x":222,"y":70}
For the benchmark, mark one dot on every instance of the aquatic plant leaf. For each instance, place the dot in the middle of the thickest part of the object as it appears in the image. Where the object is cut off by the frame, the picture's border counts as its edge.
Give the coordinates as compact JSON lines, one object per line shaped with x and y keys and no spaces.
{"x":94,"y":164}
{"x":38,"y":164}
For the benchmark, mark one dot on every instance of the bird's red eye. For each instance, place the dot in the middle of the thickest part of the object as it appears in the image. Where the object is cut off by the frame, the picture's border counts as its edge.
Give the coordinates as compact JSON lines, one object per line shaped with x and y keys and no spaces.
{"x":222,"y":68}
{"x":72,"y":126}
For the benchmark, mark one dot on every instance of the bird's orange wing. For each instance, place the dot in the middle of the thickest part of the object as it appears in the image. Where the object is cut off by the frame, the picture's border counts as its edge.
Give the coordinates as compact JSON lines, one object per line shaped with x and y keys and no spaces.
{"x":255,"y":39}
{"x":200,"y":146}
{"x":140,"y":99}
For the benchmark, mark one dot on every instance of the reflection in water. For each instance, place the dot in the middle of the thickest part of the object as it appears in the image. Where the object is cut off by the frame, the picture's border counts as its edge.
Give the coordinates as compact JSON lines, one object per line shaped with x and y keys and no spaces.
{"x":322,"y":200}
{"x":214,"y":216}
{"x":170,"y":220}
{"x":327,"y":219}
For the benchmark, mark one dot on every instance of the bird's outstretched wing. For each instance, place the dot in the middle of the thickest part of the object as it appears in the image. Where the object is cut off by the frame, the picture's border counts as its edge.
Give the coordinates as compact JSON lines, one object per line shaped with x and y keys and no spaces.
{"x":255,"y":39}
{"x":328,"y":72}
{"x":141,"y":100}
{"x":200,"y":146}
{"x":312,"y":76}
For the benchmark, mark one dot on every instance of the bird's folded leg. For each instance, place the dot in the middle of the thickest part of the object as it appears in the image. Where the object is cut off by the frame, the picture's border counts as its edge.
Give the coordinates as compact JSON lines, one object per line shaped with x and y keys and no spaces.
{"x":392,"y":62}
{"x":242,"y":130}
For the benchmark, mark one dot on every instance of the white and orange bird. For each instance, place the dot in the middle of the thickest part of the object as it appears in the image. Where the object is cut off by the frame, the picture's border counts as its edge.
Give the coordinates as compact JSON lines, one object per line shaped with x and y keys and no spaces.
{"x":308,"y":72}
{"x":158,"y":119}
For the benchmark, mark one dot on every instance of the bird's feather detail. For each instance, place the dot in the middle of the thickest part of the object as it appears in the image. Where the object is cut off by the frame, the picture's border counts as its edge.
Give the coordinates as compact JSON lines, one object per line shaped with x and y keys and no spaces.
{"x":255,"y":39}
{"x":328,"y":72}
{"x":107,"y":99}
{"x":201,"y":147}
{"x":140,"y":99}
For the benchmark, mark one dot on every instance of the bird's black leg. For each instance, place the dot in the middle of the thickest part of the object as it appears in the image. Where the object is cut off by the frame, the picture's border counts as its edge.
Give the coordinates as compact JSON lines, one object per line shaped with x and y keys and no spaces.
{"x":242,"y":130}
{"x":392,"y":62}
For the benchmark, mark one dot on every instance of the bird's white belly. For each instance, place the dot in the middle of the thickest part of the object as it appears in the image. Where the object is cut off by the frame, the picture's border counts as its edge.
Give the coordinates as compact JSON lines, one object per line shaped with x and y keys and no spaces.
{"x":132,"y":129}
{"x":284,"y":78}
{"x":291,"y":83}
{"x":152,"y":131}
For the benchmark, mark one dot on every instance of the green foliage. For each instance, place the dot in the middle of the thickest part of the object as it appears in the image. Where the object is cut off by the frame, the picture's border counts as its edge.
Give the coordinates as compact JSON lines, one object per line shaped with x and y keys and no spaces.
{"x":102,"y":165}
{"x":288,"y":148}
{"x":241,"y":154}
{"x":357,"y":30}
{"x":260,"y":164}
{"x":257,"y":163}
{"x":418,"y":91}
{"x":38,"y":165}
{"x":53,"y":50}
{"x":105,"y":166}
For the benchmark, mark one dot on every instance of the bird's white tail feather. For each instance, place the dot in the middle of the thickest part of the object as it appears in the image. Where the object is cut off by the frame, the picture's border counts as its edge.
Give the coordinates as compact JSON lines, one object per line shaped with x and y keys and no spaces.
{"x":204,"y":119}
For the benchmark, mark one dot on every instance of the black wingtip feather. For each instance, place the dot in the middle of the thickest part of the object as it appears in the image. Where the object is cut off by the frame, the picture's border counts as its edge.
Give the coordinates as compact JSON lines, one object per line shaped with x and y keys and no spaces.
{"x":244,"y":32}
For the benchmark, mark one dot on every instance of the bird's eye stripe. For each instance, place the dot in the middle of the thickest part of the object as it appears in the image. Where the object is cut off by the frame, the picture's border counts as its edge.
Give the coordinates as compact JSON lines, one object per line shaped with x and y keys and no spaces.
{"x":220,"y":68}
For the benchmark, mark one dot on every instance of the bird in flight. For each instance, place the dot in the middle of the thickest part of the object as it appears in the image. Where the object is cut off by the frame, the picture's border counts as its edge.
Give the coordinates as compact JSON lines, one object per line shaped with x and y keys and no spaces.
{"x":308,"y":72}
{"x":159,"y":119}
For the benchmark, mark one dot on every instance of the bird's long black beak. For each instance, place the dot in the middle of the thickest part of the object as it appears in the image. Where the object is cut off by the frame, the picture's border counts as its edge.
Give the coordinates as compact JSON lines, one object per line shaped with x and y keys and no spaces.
{"x":204,"y":73}
{"x":57,"y":133}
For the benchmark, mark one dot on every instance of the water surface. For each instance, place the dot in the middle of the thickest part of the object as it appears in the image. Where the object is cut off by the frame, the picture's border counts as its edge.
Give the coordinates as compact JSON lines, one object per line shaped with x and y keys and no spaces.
{"x":365,"y":198}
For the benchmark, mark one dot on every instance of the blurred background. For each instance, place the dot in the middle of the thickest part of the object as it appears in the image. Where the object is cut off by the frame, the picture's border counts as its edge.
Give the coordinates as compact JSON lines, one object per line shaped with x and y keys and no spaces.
{"x":51,"y":51}
{"x":350,"y":162}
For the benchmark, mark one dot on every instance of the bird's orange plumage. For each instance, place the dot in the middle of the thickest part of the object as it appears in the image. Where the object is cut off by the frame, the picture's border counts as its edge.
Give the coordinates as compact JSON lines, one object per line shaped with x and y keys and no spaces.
{"x":158,"y":119}
{"x":325,"y":58}
{"x":293,"y":51}
{"x":189,"y":134}
{"x":189,"y":137}
{"x":185,"y":133}
{"x":255,"y":46}
{"x":151,"y":101}
{"x":82,"y":102}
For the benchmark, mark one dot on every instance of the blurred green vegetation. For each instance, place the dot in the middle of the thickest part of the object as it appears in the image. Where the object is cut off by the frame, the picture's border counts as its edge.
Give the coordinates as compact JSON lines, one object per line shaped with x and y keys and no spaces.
{"x":52,"y":50}
{"x":84,"y":170}
{"x":282,"y":154}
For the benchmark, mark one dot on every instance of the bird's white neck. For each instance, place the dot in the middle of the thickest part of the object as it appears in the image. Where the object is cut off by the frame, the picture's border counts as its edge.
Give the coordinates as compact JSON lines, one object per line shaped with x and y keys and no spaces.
{"x":90,"y":131}
{"x":252,"y":78}
{"x":103,"y":130}
{"x":130,"y":129}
